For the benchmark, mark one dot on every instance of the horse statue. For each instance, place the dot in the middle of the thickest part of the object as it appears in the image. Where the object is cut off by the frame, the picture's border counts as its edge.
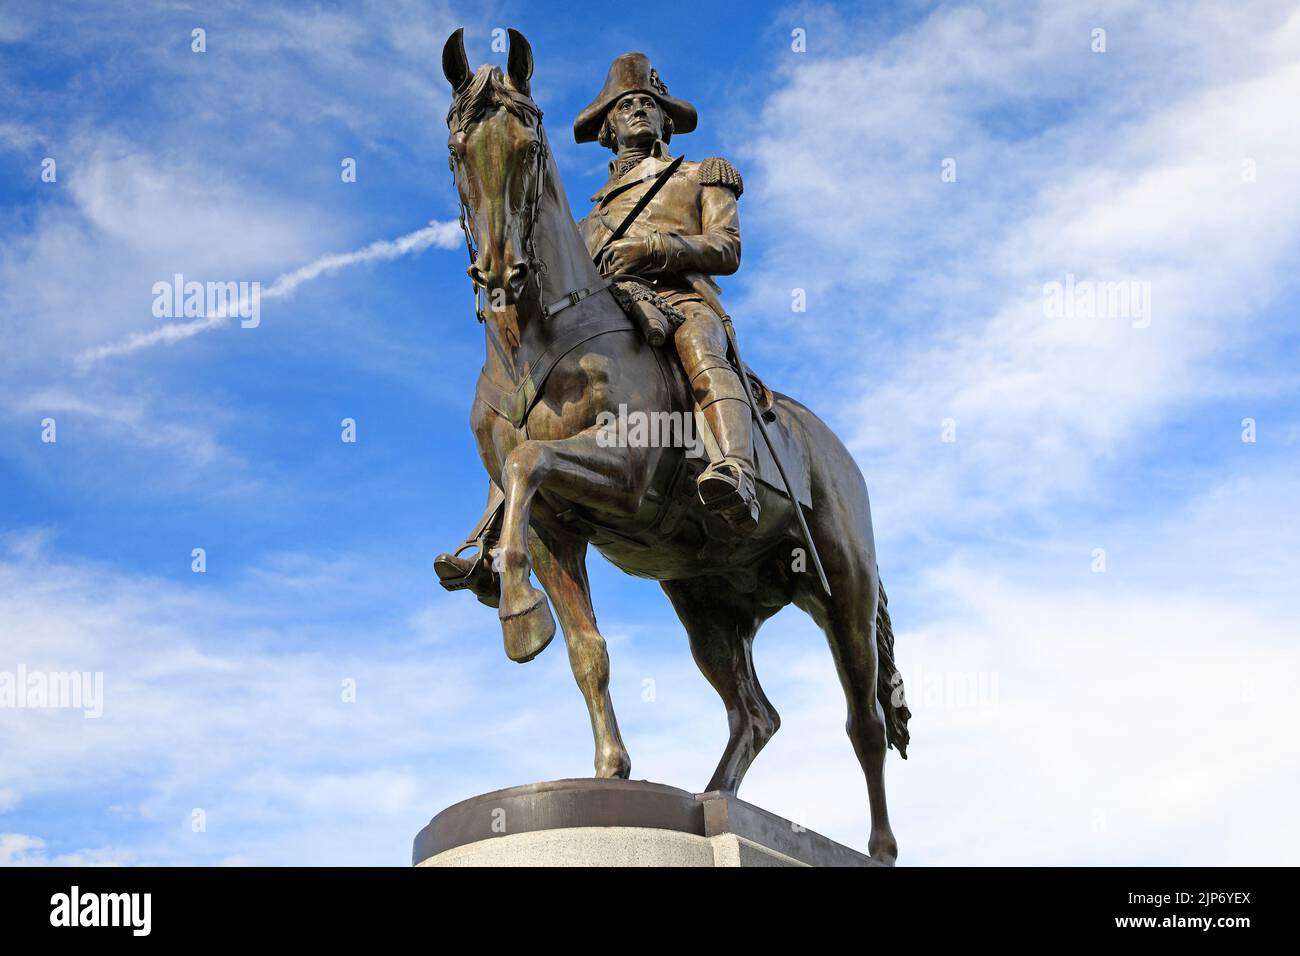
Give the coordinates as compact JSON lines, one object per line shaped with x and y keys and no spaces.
{"x":563,"y":358}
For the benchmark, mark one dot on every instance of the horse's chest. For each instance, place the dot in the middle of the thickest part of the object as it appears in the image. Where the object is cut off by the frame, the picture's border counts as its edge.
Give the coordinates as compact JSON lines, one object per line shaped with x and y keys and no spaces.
{"x":576,"y":391}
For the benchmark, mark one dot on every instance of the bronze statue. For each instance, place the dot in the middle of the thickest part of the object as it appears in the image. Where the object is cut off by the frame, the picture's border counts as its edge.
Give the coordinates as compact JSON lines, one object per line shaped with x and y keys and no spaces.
{"x":687,"y":233}
{"x":569,"y":345}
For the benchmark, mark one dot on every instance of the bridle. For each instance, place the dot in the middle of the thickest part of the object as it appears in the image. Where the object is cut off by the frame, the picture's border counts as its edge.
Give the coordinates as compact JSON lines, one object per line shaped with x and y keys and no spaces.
{"x":536,"y":267}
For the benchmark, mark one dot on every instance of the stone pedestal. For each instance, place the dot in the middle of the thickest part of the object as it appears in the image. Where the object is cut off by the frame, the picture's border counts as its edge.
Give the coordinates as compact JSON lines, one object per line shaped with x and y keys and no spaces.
{"x":589,"y":822}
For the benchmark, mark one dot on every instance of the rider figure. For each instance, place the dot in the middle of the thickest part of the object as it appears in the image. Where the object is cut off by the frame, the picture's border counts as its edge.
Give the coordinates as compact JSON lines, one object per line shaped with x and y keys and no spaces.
{"x":689,"y":232}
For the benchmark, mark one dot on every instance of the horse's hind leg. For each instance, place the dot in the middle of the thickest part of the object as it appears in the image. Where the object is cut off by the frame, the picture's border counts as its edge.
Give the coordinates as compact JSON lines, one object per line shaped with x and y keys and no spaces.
{"x":721,"y":624}
{"x":560,"y":561}
{"x":849,"y":621}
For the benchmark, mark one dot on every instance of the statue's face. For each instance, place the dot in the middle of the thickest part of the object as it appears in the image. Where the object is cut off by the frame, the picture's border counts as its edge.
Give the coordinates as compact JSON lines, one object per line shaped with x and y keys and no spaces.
{"x":637,"y":119}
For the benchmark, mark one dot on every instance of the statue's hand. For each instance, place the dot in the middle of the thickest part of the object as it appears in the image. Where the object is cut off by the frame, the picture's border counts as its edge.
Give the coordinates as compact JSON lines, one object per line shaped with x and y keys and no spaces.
{"x":627,"y":255}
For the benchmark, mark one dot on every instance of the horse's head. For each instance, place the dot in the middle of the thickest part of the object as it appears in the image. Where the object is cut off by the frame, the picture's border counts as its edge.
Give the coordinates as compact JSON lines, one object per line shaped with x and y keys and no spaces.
{"x":498,"y":156}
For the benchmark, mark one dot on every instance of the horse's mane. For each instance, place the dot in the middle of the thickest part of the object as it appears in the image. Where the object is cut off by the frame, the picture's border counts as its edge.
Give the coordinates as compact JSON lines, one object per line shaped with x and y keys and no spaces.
{"x":488,"y":89}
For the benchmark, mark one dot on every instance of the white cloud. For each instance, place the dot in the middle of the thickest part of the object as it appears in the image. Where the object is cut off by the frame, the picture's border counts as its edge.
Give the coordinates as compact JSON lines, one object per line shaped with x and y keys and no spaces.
{"x":1087,"y":724}
{"x":18,"y":849}
{"x":1134,"y":716}
{"x":167,"y":205}
{"x":269,"y":71}
{"x":133,"y":419}
{"x":232,"y":703}
{"x":188,"y":174}
{"x":85,"y":275}
{"x":121,"y":218}
{"x":1134,"y":173}
{"x":1140,"y":710}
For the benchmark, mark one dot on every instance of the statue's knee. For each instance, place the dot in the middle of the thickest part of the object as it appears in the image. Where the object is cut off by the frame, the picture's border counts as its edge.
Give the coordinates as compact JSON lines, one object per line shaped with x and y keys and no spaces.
{"x":522,"y":463}
{"x":715,"y":382}
{"x":700,"y":336}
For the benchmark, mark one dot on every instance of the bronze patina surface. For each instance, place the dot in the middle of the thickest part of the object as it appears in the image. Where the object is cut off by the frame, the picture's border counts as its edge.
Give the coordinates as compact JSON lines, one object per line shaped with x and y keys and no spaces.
{"x":721,"y":535}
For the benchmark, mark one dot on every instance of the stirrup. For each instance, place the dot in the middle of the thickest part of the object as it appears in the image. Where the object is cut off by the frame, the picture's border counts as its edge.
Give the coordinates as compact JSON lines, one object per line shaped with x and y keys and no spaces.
{"x":727,"y":489}
{"x":475,"y":574}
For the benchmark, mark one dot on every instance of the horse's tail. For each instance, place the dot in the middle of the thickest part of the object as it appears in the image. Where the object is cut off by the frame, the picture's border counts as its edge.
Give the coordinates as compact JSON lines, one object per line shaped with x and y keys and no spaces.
{"x":889,"y":681}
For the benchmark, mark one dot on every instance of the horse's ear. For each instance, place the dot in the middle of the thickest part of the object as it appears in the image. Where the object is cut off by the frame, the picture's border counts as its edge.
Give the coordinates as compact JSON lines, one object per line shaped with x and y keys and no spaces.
{"x":519,"y":64}
{"x":455,"y":64}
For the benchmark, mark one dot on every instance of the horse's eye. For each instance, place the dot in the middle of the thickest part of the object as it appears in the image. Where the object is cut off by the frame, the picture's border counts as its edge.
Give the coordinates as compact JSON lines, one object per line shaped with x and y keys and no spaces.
{"x":534,"y":148}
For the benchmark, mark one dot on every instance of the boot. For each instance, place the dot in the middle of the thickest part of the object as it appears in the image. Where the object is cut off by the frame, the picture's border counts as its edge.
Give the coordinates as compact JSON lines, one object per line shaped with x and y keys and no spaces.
{"x":727,"y":486}
{"x":473,"y":573}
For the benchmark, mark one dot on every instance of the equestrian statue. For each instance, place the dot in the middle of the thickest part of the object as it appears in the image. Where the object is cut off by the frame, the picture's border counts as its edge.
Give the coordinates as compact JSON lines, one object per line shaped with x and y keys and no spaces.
{"x":619,"y":315}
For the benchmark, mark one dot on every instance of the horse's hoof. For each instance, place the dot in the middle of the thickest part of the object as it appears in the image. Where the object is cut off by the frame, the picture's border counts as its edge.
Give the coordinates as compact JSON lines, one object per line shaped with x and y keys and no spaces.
{"x":527,"y":632}
{"x":883,"y":852}
{"x":614,"y":765}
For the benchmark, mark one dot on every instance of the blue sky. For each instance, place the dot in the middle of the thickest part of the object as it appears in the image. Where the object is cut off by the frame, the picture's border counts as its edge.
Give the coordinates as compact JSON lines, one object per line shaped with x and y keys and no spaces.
{"x":1138,"y":715}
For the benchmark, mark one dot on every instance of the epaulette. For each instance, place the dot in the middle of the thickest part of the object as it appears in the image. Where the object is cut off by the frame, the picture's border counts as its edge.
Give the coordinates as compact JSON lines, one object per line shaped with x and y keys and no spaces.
{"x":716,"y":171}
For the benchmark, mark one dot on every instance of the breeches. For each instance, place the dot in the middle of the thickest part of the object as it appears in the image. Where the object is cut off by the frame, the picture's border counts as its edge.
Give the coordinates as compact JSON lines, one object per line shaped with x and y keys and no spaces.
{"x":702,"y":346}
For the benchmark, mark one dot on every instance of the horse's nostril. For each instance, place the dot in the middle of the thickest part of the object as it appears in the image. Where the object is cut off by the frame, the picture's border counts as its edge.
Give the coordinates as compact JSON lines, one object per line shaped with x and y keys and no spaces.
{"x":518,"y":273}
{"x":476,"y":275}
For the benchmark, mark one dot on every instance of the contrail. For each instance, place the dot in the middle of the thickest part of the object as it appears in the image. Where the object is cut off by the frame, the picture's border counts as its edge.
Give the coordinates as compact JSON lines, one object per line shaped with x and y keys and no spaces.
{"x":443,"y":235}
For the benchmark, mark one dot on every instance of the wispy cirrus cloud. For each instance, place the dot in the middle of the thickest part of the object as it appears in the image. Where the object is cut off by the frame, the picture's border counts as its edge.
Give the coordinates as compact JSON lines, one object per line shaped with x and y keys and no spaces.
{"x":441,"y":235}
{"x":132,"y":418}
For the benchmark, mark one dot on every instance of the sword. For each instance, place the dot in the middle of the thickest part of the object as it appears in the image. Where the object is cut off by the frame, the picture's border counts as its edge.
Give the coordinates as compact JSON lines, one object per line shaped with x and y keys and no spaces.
{"x":701,"y":286}
{"x":641,"y":203}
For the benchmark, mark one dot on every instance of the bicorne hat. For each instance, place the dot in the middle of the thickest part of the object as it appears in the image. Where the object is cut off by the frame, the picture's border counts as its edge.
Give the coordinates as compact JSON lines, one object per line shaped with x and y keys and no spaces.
{"x":632,"y":73}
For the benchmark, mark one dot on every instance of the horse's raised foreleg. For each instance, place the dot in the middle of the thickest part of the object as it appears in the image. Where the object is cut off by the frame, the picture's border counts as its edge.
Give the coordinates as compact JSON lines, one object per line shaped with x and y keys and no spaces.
{"x":576,"y":469}
{"x":560,"y":561}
